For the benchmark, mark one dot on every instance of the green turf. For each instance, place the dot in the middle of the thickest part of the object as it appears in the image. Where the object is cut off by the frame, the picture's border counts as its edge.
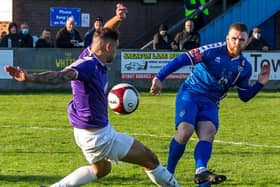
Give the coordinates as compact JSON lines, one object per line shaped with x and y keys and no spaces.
{"x":37,"y":146}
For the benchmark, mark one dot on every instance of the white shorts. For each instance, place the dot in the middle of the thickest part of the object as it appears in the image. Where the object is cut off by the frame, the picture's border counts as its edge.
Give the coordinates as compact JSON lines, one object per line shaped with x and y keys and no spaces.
{"x":105,"y":143}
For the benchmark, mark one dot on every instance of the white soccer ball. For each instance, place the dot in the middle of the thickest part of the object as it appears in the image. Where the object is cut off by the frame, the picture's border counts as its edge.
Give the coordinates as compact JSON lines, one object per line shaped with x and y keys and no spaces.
{"x":123,"y":98}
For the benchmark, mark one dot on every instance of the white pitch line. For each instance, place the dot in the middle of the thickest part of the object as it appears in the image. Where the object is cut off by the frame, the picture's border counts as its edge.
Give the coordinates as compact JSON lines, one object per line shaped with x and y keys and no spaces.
{"x":147,"y":135}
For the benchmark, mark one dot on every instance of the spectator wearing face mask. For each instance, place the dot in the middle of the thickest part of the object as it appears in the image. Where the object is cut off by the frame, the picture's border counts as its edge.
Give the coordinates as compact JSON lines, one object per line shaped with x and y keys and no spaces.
{"x":187,"y":39}
{"x":257,"y":42}
{"x":26,"y":39}
{"x":12,"y":39}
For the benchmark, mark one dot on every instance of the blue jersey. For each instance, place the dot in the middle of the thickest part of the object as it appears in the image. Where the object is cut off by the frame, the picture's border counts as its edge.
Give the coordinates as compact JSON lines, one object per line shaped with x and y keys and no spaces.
{"x":214,"y":71}
{"x":88,"y":109}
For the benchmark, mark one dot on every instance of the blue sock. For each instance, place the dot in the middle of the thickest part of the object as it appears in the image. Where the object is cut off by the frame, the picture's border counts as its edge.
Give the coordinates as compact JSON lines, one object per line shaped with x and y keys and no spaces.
{"x":206,"y":184}
{"x":202,"y":153}
{"x":176,"y":151}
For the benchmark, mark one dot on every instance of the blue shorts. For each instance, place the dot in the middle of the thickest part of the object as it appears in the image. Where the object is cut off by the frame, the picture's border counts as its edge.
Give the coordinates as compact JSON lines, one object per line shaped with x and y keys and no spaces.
{"x":192,"y":108}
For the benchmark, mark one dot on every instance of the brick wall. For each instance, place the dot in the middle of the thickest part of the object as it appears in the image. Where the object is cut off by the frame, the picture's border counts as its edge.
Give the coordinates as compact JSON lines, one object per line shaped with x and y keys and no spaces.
{"x":142,"y":18}
{"x":142,"y":22}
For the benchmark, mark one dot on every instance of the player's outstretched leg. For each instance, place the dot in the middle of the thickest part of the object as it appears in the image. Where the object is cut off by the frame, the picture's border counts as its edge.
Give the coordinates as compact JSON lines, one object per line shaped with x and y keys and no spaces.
{"x":80,"y":176}
{"x":141,"y":155}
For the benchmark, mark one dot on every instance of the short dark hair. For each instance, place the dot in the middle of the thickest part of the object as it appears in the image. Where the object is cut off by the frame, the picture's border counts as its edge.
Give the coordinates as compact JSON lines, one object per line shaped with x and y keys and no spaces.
{"x":239,"y":26}
{"x":106,"y":33}
{"x":99,"y":18}
{"x":12,"y":24}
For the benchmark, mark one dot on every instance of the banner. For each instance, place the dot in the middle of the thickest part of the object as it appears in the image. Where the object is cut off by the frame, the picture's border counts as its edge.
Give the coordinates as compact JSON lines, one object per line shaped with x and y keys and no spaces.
{"x":144,"y":65}
{"x":257,"y":59}
{"x":6,"y":58}
{"x":137,"y":65}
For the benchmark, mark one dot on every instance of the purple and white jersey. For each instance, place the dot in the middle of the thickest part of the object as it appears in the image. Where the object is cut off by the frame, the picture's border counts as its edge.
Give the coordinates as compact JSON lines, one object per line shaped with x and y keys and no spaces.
{"x":86,"y":52}
{"x":88,"y":108}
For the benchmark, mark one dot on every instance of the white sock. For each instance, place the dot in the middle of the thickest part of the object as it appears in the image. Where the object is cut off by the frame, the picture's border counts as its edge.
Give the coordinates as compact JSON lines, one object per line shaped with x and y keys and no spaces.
{"x":80,"y":176}
{"x":162,"y":177}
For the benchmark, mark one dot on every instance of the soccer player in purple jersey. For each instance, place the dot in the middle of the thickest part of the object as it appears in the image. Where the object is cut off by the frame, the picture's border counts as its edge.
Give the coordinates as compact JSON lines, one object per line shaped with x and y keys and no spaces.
{"x":87,"y":112}
{"x":216,"y":68}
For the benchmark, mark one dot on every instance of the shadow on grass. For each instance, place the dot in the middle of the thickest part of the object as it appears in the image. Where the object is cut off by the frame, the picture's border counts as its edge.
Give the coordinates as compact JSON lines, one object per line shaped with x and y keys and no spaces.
{"x":46,"y":180}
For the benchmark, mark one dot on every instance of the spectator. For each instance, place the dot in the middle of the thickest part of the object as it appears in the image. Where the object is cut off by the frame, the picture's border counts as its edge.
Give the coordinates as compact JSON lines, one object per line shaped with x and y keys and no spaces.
{"x":26,"y":39}
{"x":68,"y":36}
{"x":187,"y":39}
{"x":257,"y":42}
{"x":45,"y":40}
{"x":162,"y":40}
{"x":12,"y":39}
{"x":98,"y":24}
{"x":193,"y":5}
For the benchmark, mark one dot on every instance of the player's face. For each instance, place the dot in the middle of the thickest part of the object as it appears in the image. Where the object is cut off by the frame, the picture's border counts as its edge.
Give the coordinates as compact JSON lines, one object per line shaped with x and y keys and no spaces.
{"x":236,"y":42}
{"x":70,"y":25}
{"x":98,"y":25}
{"x":13,"y":30}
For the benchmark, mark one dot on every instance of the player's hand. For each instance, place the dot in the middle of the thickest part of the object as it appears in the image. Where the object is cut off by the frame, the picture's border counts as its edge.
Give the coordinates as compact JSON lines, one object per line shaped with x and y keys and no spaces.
{"x":121,"y":11}
{"x":156,"y":86}
{"x":264,"y":74}
{"x":17,"y":73}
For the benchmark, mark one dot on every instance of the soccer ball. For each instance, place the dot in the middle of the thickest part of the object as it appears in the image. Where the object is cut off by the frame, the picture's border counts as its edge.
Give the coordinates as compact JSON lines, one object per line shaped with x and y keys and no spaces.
{"x":123,"y":98}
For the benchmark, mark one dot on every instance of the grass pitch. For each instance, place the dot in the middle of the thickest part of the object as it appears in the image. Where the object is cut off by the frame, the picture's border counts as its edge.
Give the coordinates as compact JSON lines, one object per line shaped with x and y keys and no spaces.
{"x":37,"y":145}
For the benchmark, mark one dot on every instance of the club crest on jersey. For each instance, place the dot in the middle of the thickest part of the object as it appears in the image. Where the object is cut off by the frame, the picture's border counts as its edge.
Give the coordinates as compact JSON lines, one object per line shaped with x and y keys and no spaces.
{"x":240,"y":68}
{"x":218,"y":59}
{"x":223,"y":81}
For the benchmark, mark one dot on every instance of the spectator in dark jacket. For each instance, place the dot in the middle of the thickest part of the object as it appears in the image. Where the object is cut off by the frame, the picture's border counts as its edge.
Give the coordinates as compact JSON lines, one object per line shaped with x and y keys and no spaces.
{"x":98,"y":24}
{"x":68,"y":36}
{"x":162,"y":40}
{"x":45,"y":40}
{"x":26,"y":39}
{"x":188,"y":38}
{"x":12,"y":39}
{"x":257,"y":42}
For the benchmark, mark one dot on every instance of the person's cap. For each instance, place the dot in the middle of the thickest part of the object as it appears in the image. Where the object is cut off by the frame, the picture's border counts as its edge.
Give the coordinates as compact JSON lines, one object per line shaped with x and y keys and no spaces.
{"x":99,"y":18}
{"x":163,"y":27}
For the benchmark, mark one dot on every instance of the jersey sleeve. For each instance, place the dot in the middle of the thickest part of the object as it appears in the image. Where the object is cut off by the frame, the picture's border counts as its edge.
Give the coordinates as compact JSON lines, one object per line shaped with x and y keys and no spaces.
{"x":83,"y":69}
{"x":244,"y":89}
{"x":173,"y":66}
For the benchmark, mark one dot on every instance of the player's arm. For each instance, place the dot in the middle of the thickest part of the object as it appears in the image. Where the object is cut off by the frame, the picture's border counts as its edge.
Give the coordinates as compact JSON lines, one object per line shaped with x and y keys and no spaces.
{"x":169,"y":68}
{"x":48,"y":77}
{"x":114,"y":22}
{"x":246,"y":94}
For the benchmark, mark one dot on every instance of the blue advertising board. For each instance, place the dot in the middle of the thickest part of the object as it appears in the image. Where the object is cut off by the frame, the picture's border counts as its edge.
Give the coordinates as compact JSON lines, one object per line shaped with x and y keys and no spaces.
{"x":59,"y":15}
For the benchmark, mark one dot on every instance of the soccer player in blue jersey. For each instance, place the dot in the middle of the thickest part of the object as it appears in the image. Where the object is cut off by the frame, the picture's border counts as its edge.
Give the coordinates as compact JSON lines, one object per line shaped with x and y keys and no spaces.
{"x":87,"y":112}
{"x":216,"y":68}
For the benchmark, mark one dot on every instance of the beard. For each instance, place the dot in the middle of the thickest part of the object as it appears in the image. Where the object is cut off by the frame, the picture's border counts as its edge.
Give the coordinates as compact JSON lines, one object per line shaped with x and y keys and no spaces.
{"x":234,"y":50}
